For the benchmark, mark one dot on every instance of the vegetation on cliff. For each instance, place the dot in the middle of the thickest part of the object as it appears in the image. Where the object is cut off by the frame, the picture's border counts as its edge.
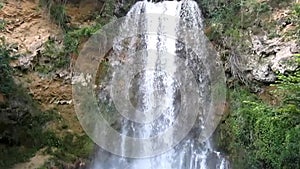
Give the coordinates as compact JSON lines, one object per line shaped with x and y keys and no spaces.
{"x":262,"y":129}
{"x":24,"y":127}
{"x":257,"y":134}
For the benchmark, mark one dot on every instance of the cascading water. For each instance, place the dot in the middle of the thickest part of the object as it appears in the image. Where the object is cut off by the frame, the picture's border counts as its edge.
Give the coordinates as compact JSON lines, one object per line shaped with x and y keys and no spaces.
{"x":163,"y":44}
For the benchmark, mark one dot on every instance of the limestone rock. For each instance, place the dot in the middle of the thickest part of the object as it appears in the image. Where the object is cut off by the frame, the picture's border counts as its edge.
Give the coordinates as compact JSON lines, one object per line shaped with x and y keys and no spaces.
{"x":271,"y":56}
{"x":283,"y":60}
{"x":264,"y":47}
{"x":263,"y":73}
{"x":27,"y":29}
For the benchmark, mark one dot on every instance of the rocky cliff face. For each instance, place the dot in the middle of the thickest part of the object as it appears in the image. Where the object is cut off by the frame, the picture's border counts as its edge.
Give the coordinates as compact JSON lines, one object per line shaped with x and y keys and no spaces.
{"x":36,"y":108}
{"x":272,"y":56}
{"x":256,"y":40}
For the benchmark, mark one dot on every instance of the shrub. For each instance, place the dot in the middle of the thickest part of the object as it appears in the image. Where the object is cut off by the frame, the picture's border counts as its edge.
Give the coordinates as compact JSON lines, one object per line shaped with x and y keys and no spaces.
{"x":5,"y":69}
{"x":264,"y":136}
{"x":56,"y":12}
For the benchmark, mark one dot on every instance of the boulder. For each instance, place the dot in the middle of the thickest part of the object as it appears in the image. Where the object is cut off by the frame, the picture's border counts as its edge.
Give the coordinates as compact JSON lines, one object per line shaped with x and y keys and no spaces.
{"x":271,"y":56}
{"x":283,"y":60}
{"x":263,"y":73}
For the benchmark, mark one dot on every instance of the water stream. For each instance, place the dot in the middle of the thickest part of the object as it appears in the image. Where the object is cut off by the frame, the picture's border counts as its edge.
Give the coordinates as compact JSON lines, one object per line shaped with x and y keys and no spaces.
{"x":169,"y":55}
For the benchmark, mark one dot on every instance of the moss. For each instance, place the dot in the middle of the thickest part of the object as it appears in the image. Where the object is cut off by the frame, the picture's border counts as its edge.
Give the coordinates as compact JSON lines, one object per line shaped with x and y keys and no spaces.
{"x":73,"y":147}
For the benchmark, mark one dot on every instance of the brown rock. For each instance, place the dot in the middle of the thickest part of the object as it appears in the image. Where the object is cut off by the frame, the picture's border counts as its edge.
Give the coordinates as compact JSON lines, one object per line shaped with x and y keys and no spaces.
{"x":2,"y":99}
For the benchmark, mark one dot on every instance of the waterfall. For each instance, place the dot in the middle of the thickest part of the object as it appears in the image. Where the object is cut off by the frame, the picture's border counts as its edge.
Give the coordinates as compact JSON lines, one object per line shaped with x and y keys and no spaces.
{"x":164,"y":79}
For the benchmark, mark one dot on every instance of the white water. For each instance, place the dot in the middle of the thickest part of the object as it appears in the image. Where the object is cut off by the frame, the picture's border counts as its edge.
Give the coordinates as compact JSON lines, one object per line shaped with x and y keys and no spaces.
{"x":157,"y":90}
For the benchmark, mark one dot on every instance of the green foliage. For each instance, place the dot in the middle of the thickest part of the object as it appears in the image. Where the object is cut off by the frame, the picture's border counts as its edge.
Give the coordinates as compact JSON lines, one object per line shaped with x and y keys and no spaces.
{"x":74,"y":146}
{"x":296,"y":11}
{"x":56,"y":56}
{"x":296,"y":19}
{"x":5,"y":69}
{"x":57,"y":12}
{"x":32,"y":136}
{"x":73,"y":38}
{"x":2,"y":24}
{"x":58,"y":15}
{"x":289,"y":88}
{"x":21,"y":123}
{"x":109,"y":8}
{"x":12,"y":155}
{"x":59,"y":57}
{"x":52,"y":57}
{"x":26,"y":137}
{"x":233,"y":19}
{"x":262,"y":136}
